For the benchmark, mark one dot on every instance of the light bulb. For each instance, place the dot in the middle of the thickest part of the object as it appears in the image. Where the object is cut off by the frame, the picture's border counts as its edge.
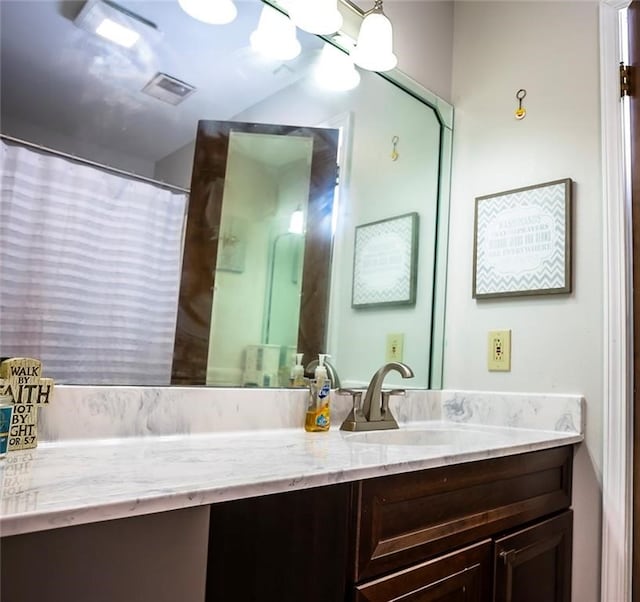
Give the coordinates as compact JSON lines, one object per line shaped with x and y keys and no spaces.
{"x":374,"y":49}
{"x":214,"y":12}
{"x":275,"y":36}
{"x":335,"y":70}
{"x":117,"y":33}
{"x":296,"y":224}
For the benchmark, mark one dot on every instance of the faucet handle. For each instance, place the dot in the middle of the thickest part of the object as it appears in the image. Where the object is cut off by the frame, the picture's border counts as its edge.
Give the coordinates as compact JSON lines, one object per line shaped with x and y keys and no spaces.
{"x":385,"y":400}
{"x":394,"y":392}
{"x":356,"y":395}
{"x":356,"y":418}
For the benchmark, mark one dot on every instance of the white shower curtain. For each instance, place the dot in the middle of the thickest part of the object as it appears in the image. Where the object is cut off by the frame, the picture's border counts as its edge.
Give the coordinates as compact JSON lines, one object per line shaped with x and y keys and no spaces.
{"x":89,"y":270}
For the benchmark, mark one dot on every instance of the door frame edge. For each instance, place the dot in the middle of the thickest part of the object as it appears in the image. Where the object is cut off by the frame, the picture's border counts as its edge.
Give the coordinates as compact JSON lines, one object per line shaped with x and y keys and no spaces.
{"x":617,"y":448}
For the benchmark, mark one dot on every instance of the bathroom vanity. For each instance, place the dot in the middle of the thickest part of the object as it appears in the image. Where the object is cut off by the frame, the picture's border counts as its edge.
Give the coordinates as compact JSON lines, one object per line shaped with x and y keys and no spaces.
{"x":496,"y":529}
{"x":442,"y":512}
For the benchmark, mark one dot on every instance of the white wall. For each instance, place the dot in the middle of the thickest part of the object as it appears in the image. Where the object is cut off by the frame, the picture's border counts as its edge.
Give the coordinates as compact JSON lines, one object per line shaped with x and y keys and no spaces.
{"x":286,"y":251}
{"x":176,"y":167}
{"x":237,"y":311}
{"x":551,"y":50}
{"x":75,"y":146}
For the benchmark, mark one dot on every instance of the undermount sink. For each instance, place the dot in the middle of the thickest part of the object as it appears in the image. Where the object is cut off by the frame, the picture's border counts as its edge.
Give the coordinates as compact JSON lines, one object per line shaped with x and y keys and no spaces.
{"x":423,"y":437}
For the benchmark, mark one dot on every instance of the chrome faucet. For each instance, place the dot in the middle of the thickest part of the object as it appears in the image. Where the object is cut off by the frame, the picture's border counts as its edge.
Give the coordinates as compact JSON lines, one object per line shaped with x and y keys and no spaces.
{"x":374,"y":413}
{"x":332,"y":373}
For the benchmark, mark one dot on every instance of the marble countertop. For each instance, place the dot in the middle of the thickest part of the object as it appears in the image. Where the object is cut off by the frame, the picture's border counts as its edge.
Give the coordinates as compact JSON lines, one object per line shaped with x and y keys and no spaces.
{"x":67,"y":483}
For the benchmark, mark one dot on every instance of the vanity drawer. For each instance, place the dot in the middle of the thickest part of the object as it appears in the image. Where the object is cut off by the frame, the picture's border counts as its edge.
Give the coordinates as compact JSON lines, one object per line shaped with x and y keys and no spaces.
{"x":466,"y":574}
{"x":407,"y":518}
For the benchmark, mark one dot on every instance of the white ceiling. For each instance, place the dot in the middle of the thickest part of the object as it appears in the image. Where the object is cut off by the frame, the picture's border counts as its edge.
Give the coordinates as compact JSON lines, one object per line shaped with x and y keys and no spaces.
{"x":60,"y":77}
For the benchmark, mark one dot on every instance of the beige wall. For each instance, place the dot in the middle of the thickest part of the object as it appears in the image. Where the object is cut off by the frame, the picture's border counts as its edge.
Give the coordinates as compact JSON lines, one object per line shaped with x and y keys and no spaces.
{"x":551,"y":49}
{"x":423,"y":41}
{"x":152,"y":558}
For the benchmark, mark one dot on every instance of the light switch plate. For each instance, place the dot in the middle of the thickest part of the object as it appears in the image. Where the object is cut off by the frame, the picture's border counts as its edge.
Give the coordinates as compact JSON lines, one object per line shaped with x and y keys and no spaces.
{"x":499,"y":351}
{"x":395,"y":347}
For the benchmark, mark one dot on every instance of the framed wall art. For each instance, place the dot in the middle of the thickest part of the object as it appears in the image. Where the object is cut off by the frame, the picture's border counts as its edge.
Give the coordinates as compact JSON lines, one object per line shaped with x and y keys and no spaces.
{"x":385,"y":262}
{"x":522,"y":241}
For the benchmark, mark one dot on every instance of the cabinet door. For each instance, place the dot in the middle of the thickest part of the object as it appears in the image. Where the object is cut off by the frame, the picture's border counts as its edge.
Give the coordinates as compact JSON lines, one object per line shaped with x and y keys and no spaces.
{"x":463,"y":576}
{"x":534,"y":564}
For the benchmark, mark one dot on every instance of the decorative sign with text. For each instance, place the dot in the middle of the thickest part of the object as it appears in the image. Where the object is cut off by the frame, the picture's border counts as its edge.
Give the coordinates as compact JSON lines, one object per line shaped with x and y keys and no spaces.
{"x":15,"y":481}
{"x":385,"y":258}
{"x":522,"y":241}
{"x":22,"y":379}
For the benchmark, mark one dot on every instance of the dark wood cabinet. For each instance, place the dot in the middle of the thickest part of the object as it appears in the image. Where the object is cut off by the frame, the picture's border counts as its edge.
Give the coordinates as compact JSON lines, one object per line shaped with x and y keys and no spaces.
{"x":534,"y":564}
{"x":492,"y":530}
{"x":288,"y":547}
{"x":462,"y":576}
{"x":408,"y":518}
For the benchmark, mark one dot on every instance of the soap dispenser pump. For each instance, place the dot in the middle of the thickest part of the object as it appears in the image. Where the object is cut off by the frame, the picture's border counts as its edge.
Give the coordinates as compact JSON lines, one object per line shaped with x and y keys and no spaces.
{"x":297,"y":372}
{"x":318,"y":416}
{"x":321,"y":370}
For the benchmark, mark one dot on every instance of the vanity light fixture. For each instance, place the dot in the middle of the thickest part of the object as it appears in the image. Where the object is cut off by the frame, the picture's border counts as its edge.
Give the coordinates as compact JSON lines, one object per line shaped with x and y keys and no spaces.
{"x":114,"y":23}
{"x":335,"y":70}
{"x":374,"y":48}
{"x":275,"y":36}
{"x":320,"y":17}
{"x":117,"y":33}
{"x":214,"y":12}
{"x":296,"y":223}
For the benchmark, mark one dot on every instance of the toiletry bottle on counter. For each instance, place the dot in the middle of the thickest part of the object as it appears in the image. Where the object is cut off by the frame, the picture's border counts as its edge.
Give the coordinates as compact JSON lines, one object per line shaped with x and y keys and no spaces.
{"x":318,"y":416}
{"x":297,"y":372}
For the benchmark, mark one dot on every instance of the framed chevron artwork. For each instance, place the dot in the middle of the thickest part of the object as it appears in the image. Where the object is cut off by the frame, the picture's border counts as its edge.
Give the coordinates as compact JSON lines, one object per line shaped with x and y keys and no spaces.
{"x":385,"y":262}
{"x":522,"y":241}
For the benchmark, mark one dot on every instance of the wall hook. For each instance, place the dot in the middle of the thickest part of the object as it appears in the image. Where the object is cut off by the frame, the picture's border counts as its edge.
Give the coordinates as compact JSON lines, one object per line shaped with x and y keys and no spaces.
{"x":521,"y":111}
{"x":394,"y":152}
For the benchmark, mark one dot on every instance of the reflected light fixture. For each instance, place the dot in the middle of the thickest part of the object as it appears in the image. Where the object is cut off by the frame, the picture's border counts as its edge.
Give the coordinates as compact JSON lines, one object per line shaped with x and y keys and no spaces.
{"x":296,"y":223}
{"x":335,"y":70}
{"x":117,"y":33}
{"x":275,"y":36}
{"x":374,"y":48}
{"x":214,"y":12}
{"x":115,"y":23}
{"x":321,"y":17}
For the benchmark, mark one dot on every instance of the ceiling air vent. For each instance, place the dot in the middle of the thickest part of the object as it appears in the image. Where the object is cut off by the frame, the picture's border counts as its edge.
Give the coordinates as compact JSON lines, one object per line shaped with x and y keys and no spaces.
{"x":168,"y":89}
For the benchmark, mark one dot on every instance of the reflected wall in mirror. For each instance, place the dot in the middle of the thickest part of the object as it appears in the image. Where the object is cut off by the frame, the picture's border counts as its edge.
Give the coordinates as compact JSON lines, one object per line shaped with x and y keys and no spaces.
{"x":104,"y":311}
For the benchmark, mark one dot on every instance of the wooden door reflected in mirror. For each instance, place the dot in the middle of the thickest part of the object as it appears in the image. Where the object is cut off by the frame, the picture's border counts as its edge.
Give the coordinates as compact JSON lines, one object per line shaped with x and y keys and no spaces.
{"x":247,"y":181}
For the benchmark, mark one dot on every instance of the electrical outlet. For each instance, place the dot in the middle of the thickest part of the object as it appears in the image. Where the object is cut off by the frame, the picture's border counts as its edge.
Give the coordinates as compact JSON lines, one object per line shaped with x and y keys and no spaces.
{"x":499,"y":352}
{"x":395,"y":345}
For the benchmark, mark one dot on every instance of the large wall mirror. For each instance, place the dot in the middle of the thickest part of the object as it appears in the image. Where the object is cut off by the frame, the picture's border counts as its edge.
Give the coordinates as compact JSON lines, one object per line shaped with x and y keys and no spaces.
{"x":183,"y":209}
